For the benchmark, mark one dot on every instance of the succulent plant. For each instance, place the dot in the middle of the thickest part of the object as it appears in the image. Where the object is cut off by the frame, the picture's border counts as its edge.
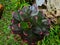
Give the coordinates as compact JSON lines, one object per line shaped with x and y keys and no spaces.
{"x":31,"y":28}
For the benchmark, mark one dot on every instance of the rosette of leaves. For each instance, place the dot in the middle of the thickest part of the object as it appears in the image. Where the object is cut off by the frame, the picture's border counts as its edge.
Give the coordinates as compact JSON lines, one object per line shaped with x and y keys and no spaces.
{"x":30,"y":28}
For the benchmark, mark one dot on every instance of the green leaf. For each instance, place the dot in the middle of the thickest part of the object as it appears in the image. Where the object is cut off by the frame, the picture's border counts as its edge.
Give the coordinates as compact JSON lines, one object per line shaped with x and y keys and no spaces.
{"x":24,"y":25}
